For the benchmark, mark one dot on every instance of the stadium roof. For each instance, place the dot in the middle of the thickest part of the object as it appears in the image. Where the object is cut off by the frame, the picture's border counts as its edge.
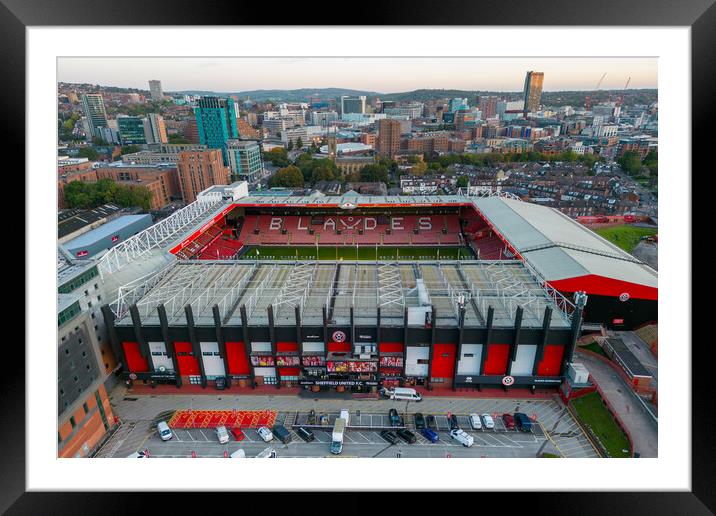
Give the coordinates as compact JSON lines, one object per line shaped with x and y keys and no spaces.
{"x":338,"y":285}
{"x":105,"y":230}
{"x":559,"y":247}
{"x":75,"y":221}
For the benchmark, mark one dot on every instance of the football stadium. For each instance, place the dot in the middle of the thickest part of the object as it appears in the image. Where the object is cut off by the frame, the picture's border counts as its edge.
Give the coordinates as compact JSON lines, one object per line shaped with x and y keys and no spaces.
{"x":363,"y":292}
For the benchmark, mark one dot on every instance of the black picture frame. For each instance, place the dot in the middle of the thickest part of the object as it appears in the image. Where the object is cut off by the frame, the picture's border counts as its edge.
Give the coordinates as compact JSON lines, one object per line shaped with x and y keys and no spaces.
{"x":700,"y":15}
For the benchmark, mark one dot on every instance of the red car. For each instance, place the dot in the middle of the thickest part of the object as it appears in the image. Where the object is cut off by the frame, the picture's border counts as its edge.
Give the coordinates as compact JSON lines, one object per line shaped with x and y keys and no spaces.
{"x":237,"y":433}
{"x":509,"y":421}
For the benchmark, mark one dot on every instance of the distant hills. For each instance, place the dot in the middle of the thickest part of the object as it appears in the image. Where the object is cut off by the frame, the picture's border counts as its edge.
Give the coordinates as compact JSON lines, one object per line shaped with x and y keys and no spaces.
{"x":298,"y":95}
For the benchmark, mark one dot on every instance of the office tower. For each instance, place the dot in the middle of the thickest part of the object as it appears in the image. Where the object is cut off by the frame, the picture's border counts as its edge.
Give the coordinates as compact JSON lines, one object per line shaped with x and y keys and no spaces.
{"x":131,"y":130}
{"x":93,"y":105}
{"x":198,"y":170}
{"x":155,"y":88}
{"x":533,"y":91}
{"x":155,"y":129}
{"x":245,"y":160}
{"x":488,"y":106}
{"x":388,"y":137}
{"x":457,"y":105}
{"x":352,"y":104}
{"x":216,"y":122}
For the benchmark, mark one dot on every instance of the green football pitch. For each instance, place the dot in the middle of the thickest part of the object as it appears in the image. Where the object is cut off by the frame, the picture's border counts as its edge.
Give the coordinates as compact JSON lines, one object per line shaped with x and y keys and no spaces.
{"x":353,"y":253}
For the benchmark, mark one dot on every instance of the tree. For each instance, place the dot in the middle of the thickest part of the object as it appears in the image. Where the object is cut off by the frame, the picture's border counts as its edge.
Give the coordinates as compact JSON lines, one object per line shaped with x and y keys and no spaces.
{"x":419,"y":168}
{"x":278,"y":157}
{"x":463,"y":181}
{"x":129,"y":149}
{"x":175,"y":138}
{"x":89,"y":153}
{"x":96,"y":140}
{"x":374,"y":173}
{"x":299,"y":143}
{"x":290,"y":145}
{"x":322,"y":173}
{"x":630,"y":162}
{"x":651,"y":161}
{"x":290,"y":176}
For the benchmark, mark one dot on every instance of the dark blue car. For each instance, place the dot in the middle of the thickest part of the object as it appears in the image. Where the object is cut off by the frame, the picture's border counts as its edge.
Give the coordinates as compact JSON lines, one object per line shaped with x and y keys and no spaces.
{"x":430,"y":435}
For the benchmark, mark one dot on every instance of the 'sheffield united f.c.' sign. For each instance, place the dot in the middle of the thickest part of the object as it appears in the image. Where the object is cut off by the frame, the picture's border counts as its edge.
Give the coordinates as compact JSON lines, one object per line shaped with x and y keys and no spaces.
{"x":508,"y":380}
{"x":624,"y":296}
{"x":339,"y":336}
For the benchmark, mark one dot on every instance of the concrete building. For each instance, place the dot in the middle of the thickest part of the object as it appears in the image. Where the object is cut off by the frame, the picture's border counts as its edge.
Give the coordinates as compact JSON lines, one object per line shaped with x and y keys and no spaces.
{"x":155,"y":88}
{"x":198,"y":170}
{"x":95,"y":114}
{"x":245,"y":160}
{"x":352,"y":104}
{"x":156,"y":129}
{"x":106,"y":236}
{"x":388,"y":137}
{"x":161,"y":180}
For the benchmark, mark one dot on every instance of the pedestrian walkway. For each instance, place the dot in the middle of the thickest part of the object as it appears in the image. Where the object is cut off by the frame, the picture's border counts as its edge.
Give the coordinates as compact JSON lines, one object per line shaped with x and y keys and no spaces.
{"x":642,"y":428}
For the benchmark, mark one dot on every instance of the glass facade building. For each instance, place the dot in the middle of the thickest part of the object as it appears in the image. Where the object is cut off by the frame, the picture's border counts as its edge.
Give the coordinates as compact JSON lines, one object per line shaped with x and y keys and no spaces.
{"x":216,"y":123}
{"x":245,"y":160}
{"x":131,"y":130}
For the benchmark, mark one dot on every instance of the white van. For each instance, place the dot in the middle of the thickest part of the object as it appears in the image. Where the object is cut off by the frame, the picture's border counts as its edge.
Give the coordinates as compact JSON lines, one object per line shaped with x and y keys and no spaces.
{"x":222,"y":434}
{"x":164,"y":431}
{"x":268,"y":453}
{"x":403,"y":393}
{"x":238,"y":454}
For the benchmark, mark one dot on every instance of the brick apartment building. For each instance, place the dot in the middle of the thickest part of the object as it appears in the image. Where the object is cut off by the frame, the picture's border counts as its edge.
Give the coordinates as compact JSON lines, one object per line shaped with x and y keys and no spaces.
{"x":198,"y":170}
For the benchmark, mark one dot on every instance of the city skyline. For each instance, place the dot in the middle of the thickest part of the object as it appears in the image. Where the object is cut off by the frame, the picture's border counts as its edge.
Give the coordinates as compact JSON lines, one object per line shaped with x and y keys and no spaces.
{"x":380,"y":75}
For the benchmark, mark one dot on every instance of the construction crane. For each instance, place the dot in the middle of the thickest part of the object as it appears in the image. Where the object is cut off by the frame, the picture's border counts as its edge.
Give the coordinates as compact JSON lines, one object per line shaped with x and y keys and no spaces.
{"x":620,"y":98}
{"x":588,"y":98}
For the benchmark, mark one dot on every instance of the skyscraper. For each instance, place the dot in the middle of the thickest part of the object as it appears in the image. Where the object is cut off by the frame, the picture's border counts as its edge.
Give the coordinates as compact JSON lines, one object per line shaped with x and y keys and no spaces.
{"x":155,"y":88}
{"x":245,"y":160}
{"x":216,"y":122}
{"x":488,"y":106}
{"x":533,"y":91}
{"x":156,"y":129}
{"x":93,"y":105}
{"x":388,"y":137}
{"x":131,"y":130}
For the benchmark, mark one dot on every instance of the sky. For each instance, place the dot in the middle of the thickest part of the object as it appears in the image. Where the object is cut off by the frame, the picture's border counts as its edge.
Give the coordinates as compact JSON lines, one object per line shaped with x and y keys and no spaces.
{"x":382,"y":75}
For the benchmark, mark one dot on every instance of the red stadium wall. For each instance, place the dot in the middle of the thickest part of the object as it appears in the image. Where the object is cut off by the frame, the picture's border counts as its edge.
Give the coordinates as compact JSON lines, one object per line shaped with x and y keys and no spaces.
{"x":599,"y":285}
{"x":443,"y":361}
{"x":286,"y":347}
{"x":188,"y":364}
{"x":551,"y":362}
{"x":136,"y":363}
{"x":391,"y":347}
{"x":236,"y":357}
{"x":497,"y":356}
{"x":339,"y":347}
{"x":289,"y":371}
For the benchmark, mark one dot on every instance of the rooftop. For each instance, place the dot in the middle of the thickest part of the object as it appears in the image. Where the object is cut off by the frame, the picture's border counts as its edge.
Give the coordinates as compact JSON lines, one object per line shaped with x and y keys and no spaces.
{"x":67,"y":225}
{"x":338,"y":285}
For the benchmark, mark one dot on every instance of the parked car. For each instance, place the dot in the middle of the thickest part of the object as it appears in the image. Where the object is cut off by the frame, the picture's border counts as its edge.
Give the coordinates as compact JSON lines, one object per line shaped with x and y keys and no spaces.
{"x":509,"y":421}
{"x":305,"y":434}
{"x":487,"y":421}
{"x":222,"y":434}
{"x":389,"y":436}
{"x":237,"y":433}
{"x":524,"y":424}
{"x":395,"y":419}
{"x":137,"y":455}
{"x":475,"y":422}
{"x":164,"y":431}
{"x":462,"y":437}
{"x":407,"y":436}
{"x":430,"y":435}
{"x":453,"y":422}
{"x":419,"y":421}
{"x":265,"y":434}
{"x":283,"y":435}
{"x":220,"y":383}
{"x":268,"y":453}
{"x":431,"y":423}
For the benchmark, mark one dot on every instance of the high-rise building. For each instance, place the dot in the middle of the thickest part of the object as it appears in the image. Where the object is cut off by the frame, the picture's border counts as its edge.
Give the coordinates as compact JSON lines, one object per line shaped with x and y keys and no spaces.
{"x":156,"y":129}
{"x":155,"y":88}
{"x":216,"y":122}
{"x":198,"y":170}
{"x":457,"y":105}
{"x":533,"y":91}
{"x":352,"y":104}
{"x":245,"y":160}
{"x":131,"y":130}
{"x":93,"y":105}
{"x":388,"y":137}
{"x":488,"y":106}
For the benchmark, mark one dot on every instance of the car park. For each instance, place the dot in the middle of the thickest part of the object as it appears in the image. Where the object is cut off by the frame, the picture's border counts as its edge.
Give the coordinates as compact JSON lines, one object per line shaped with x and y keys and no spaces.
{"x":453,"y":422}
{"x":395,"y":419}
{"x":164,"y":431}
{"x":431,"y":423}
{"x":389,"y":436}
{"x":487,"y":421}
{"x":462,"y":437}
{"x":407,"y":436}
{"x":265,"y":434}
{"x":222,"y":434}
{"x":475,"y":422}
{"x":283,"y":435}
{"x":509,"y":421}
{"x":523,"y":423}
{"x":419,"y":421}
{"x":305,"y":434}
{"x":430,"y":435}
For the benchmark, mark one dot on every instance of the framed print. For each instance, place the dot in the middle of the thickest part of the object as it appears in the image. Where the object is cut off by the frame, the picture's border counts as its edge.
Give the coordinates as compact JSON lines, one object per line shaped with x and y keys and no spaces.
{"x":434,"y":239}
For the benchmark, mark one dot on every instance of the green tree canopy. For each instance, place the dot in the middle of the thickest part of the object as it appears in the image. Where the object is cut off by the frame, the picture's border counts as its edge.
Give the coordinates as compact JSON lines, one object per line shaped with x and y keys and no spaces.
{"x":299,"y":143}
{"x":630,"y":162}
{"x":290,"y":145}
{"x":79,"y":194}
{"x":89,"y":153}
{"x":374,"y":173}
{"x":463,"y":181}
{"x":289,"y":176}
{"x":278,"y":157}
